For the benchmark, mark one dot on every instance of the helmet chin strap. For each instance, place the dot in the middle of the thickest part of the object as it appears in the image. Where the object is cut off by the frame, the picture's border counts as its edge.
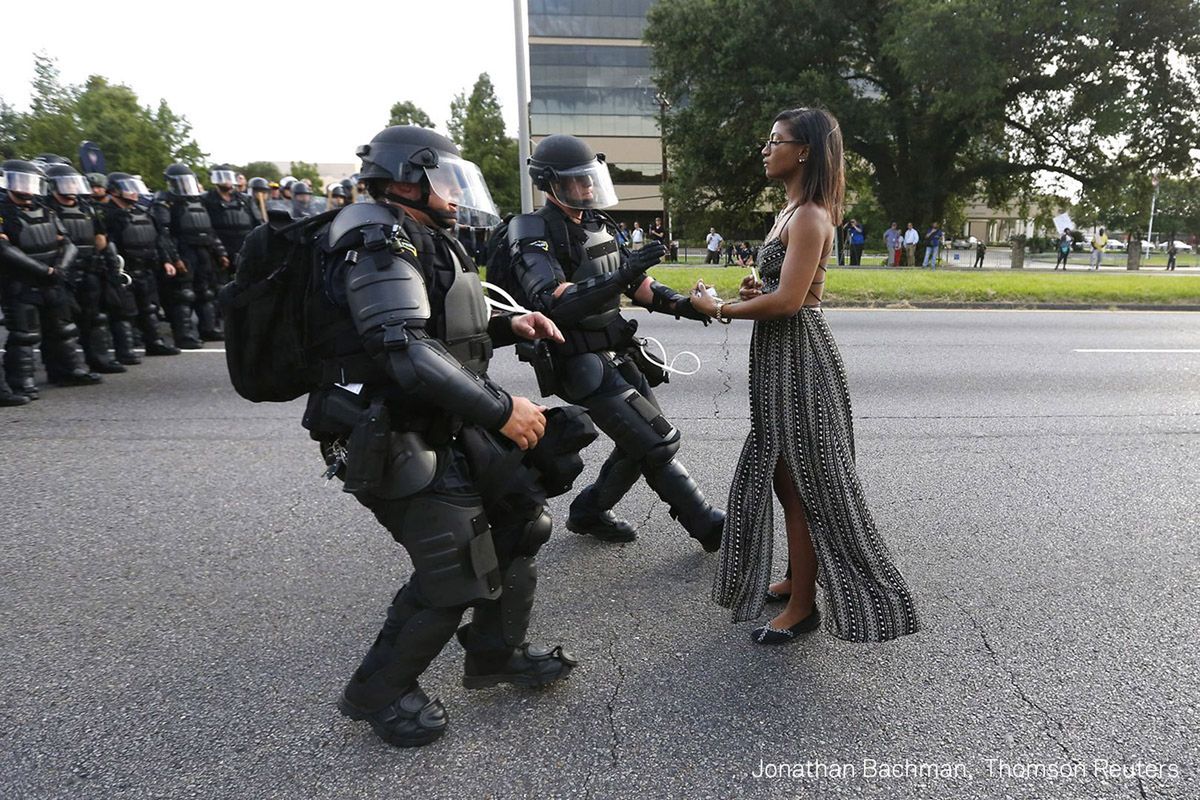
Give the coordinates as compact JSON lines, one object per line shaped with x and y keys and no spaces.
{"x":442,"y":218}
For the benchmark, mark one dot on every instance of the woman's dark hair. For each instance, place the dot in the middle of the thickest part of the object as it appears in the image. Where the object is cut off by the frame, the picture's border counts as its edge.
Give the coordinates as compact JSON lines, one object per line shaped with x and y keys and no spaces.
{"x":824,"y":176}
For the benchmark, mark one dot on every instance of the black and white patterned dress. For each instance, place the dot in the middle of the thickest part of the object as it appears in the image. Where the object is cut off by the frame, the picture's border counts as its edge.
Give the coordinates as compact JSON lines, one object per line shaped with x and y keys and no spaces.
{"x":800,"y":411}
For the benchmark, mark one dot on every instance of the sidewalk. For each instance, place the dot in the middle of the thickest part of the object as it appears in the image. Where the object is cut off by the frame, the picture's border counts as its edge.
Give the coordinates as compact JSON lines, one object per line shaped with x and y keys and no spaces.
{"x":1000,"y":259}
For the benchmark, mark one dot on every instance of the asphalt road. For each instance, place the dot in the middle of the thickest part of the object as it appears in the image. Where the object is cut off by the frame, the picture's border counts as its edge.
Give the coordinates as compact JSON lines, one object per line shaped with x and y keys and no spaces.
{"x":183,"y":596}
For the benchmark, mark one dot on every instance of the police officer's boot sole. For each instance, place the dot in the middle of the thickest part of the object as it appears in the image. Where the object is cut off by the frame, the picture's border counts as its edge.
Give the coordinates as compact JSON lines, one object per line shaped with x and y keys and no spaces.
{"x":604,"y":525}
{"x":412,"y":720}
{"x":108,"y":368}
{"x":76,"y":379}
{"x":529,"y":666}
{"x":14,"y":400}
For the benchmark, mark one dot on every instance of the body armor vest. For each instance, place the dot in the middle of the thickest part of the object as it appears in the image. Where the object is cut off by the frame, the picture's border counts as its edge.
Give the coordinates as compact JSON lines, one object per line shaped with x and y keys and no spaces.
{"x":38,"y":234}
{"x":229,"y":217}
{"x":190,"y":223}
{"x":461,"y":313}
{"x":81,"y":227}
{"x":139,"y":237}
{"x":601,"y":256}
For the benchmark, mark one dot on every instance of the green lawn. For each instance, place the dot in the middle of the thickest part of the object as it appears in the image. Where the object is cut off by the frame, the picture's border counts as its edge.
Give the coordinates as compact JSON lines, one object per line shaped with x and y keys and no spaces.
{"x":877,"y":286}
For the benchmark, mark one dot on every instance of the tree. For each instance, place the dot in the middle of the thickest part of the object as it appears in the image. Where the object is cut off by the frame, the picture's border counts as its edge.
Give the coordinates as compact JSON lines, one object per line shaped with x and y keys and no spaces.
{"x":406,"y":112}
{"x":942,"y":100}
{"x":304,"y":171}
{"x":51,"y":126}
{"x":125,"y":131}
{"x":477,"y":127}
{"x":261,"y":169}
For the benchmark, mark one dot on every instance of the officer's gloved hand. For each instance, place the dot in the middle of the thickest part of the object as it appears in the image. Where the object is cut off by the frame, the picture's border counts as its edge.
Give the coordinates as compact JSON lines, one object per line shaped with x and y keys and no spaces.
{"x":641,"y":260}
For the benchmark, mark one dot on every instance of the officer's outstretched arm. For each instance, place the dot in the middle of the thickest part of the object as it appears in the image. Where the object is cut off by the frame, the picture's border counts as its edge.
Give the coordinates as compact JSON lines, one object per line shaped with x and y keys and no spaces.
{"x":540,"y":275}
{"x":665,"y":300}
{"x":387,"y":299}
{"x":18,"y":264}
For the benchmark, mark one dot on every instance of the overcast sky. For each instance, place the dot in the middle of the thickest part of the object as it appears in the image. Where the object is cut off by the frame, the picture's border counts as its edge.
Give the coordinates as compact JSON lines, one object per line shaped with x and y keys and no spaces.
{"x":245,"y":73}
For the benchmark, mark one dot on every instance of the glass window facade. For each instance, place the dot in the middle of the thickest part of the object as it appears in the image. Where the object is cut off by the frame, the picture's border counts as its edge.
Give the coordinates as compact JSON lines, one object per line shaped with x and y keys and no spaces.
{"x":597,"y":19}
{"x":591,"y":90}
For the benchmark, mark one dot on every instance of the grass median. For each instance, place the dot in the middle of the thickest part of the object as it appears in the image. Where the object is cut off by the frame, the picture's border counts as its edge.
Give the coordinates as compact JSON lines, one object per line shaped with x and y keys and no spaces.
{"x":887,"y":287}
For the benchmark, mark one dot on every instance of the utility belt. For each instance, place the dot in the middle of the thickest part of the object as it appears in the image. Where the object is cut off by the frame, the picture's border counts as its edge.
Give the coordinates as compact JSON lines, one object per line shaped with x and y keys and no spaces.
{"x":617,"y":335}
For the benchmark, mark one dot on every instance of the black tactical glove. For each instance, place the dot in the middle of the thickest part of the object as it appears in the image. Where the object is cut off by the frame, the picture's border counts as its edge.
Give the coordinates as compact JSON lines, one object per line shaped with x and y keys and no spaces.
{"x":639,"y":261}
{"x":684,"y":308}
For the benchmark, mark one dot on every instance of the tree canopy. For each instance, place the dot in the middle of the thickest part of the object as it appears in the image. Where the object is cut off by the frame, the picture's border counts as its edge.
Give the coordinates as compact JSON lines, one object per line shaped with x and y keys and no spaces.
{"x":477,"y":127}
{"x":940,"y":100}
{"x":406,"y":112}
{"x":134,"y":138}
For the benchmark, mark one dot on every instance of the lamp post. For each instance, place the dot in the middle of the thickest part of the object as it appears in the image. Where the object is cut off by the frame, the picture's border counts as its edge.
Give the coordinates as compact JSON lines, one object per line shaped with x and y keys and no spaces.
{"x":522,"y":45}
{"x":663,"y":105}
{"x":1153,"y":205}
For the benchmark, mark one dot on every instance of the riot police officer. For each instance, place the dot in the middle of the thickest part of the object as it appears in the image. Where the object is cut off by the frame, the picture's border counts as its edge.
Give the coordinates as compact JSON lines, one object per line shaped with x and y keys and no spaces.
{"x":231,"y":212}
{"x":338,"y":196}
{"x":302,"y":200}
{"x":197,"y":253}
{"x":424,"y":438}
{"x":37,"y":308}
{"x":147,"y":252}
{"x":260,"y":195}
{"x":93,"y":265}
{"x":570,"y":266}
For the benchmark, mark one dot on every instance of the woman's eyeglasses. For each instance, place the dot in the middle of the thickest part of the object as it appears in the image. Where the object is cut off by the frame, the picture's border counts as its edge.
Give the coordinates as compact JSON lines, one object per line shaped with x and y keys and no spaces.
{"x":770,"y":143}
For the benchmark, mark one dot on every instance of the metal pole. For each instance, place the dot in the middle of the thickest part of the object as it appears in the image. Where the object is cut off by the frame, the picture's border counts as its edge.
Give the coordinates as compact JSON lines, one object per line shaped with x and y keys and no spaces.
{"x":522,"y":41}
{"x":1150,"y":232}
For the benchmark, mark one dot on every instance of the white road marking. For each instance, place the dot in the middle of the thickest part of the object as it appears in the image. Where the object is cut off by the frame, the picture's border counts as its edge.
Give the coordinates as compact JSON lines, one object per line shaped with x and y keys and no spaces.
{"x":1131,"y":350}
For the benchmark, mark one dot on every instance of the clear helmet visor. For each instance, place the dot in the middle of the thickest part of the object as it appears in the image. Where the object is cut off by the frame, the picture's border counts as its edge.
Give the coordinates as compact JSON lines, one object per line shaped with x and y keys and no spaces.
{"x":461,"y":183}
{"x":185,"y":185}
{"x":133,"y":186}
{"x":71,"y":184}
{"x":584,"y":187}
{"x":223,"y":177}
{"x":25,"y":183}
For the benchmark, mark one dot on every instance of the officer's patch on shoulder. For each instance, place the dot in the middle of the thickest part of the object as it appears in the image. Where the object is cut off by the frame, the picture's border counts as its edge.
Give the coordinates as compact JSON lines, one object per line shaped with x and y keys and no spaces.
{"x":541,"y":244}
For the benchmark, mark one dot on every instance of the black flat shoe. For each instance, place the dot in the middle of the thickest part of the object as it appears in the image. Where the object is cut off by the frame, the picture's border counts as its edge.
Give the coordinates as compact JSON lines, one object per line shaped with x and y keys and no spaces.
{"x":777,"y":597}
{"x":605,"y":525}
{"x":769,"y":635}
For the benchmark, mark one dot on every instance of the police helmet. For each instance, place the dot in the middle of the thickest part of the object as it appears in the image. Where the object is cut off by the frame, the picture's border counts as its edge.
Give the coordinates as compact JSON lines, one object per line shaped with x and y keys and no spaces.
{"x":125,"y":185}
{"x":223,"y":175}
{"x":259,"y":185}
{"x":412,"y":154}
{"x":23,"y":177}
{"x":66,"y":180}
{"x":181,"y":181}
{"x":566,"y":168}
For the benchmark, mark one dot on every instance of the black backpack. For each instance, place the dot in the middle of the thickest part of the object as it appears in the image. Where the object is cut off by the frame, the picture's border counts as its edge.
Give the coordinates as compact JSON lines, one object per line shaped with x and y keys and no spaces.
{"x":265,"y":308}
{"x":498,"y":261}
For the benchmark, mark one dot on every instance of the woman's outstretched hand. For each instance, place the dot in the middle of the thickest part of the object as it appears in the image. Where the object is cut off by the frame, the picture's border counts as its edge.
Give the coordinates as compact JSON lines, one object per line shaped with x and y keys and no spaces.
{"x":702,"y":301}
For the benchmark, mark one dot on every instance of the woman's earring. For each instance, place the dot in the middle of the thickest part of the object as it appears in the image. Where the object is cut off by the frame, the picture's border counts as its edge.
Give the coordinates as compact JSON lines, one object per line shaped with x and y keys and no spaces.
{"x":803,"y":160}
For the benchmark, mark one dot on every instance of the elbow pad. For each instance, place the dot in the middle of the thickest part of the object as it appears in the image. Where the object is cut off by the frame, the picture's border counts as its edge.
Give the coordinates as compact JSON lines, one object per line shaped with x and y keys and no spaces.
{"x":67,"y":254}
{"x":18,"y":261}
{"x":424,"y":367}
{"x":583,"y":299}
{"x":534,"y":268}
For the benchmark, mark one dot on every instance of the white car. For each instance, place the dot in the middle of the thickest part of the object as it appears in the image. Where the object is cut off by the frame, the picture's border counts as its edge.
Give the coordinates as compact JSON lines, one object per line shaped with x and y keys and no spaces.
{"x":1181,"y":247}
{"x":1116,"y":246}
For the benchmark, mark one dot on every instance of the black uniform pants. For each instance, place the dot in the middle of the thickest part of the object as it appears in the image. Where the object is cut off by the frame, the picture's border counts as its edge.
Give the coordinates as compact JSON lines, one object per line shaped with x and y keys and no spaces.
{"x":38,"y":316}
{"x":417,"y":625}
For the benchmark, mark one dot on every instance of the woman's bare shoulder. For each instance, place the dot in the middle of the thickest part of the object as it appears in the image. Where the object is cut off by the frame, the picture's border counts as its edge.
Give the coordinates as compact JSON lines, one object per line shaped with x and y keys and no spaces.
{"x":808,"y":220}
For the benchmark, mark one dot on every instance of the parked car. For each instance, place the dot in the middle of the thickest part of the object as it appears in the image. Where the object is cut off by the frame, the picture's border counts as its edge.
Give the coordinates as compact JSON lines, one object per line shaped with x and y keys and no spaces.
{"x":1180,"y":247}
{"x":1116,"y":246}
{"x":964,"y":244}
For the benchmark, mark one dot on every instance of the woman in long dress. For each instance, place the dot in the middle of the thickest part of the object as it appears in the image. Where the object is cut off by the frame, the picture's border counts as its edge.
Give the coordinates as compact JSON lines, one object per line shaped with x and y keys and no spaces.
{"x":801,"y":439}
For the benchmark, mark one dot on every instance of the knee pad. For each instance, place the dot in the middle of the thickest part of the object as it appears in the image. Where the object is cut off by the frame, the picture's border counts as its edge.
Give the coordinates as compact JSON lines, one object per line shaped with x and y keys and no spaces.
{"x":64,"y":331}
{"x":633,"y":423}
{"x":24,"y":338}
{"x":185,"y":296}
{"x":663,"y":453}
{"x":535,"y":534}
{"x":450,"y":543}
{"x":581,"y":375}
{"x":100,"y":318}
